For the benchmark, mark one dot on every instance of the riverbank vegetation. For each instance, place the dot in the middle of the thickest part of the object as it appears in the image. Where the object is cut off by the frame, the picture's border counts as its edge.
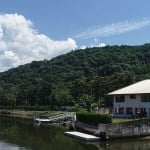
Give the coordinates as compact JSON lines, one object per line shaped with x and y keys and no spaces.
{"x":81,"y":78}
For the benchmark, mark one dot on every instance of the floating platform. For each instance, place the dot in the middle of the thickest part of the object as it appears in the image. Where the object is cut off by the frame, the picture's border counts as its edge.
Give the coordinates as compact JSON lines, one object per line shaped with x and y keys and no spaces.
{"x":83,"y":136}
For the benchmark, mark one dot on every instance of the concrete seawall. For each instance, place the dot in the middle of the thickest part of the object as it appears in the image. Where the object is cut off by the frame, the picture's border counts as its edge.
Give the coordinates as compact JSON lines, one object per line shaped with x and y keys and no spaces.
{"x":137,"y":128}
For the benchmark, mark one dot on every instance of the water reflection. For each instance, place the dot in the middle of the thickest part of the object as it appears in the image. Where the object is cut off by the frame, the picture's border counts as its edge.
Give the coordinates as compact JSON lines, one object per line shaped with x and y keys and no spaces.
{"x":125,"y":144}
{"x":22,"y":133}
{"x":7,"y":146}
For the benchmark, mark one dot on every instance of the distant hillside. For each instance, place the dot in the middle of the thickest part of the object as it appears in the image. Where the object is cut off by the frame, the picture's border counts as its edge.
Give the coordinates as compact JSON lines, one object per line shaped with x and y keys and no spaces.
{"x":66,"y":79}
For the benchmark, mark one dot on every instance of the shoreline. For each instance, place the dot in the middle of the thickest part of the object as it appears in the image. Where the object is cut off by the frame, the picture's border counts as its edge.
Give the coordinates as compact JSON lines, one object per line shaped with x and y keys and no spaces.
{"x":24,"y":113}
{"x":113,"y":131}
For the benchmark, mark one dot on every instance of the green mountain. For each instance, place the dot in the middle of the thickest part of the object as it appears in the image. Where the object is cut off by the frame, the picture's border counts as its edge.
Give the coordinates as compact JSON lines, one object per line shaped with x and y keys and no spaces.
{"x":66,"y":79}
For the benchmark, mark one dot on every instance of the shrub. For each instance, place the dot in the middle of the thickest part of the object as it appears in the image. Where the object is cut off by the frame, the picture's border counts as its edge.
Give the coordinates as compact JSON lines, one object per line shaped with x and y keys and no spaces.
{"x":93,"y":118}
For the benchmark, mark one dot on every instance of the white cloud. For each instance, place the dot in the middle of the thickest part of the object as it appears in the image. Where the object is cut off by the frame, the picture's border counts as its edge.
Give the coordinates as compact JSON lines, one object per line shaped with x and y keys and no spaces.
{"x":101,"y":45}
{"x":83,"y":47}
{"x":93,"y":45}
{"x":20,"y":43}
{"x":98,"y":45}
{"x":113,"y":29}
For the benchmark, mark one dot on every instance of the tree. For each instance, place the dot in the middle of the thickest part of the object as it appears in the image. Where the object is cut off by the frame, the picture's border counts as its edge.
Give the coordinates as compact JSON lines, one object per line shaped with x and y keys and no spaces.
{"x":61,"y":95}
{"x":87,"y":100}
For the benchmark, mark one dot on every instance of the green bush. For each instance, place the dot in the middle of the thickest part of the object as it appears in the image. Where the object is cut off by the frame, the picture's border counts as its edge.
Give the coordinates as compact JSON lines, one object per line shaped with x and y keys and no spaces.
{"x":93,"y":118}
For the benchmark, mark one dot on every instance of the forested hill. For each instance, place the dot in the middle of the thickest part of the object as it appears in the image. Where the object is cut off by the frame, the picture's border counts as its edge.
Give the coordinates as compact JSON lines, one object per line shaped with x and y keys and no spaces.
{"x":68,"y":79}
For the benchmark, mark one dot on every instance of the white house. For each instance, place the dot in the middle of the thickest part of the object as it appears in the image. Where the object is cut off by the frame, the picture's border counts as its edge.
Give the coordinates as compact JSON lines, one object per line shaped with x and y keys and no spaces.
{"x":132,"y":100}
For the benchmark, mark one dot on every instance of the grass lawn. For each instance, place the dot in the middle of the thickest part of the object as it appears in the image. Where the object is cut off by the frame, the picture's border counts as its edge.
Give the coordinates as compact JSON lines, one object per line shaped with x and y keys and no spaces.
{"x":117,"y":120}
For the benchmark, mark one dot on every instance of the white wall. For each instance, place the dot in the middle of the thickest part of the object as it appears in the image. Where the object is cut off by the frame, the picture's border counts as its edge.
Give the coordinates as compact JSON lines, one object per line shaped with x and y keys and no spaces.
{"x":134,"y":103}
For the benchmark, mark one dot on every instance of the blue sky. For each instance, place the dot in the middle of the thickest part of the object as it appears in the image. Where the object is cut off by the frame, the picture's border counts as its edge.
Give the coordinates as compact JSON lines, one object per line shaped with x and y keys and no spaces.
{"x":60,"y":19}
{"x":69,"y":24}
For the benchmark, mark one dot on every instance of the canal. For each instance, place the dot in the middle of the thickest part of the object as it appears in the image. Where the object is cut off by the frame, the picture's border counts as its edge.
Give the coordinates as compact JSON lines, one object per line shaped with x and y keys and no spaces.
{"x":22,"y":134}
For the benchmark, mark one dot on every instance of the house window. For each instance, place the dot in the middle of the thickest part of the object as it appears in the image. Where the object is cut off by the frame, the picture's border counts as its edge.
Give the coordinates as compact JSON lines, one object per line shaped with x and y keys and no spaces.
{"x":120,"y":98}
{"x":129,"y":110}
{"x":132,"y":96}
{"x":145,"y":98}
{"x":120,"y":110}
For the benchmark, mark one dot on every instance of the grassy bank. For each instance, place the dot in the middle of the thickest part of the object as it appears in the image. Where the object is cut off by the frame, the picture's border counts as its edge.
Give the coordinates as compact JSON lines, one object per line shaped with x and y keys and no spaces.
{"x":118,"y":120}
{"x":26,"y":114}
{"x":31,"y":114}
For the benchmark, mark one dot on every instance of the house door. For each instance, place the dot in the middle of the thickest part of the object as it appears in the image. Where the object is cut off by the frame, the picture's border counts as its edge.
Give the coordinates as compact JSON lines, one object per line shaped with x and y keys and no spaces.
{"x":137,"y":111}
{"x":143,"y":112}
{"x":140,"y":112}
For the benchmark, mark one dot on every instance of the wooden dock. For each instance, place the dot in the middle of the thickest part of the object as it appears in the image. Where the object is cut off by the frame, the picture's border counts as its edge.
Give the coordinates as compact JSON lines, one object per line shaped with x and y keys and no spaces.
{"x":83,"y":136}
{"x":42,"y":120}
{"x":54,"y":119}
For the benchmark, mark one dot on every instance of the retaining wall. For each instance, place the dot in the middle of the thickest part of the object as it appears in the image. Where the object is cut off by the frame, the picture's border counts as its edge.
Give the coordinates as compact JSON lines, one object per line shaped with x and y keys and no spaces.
{"x":137,"y":128}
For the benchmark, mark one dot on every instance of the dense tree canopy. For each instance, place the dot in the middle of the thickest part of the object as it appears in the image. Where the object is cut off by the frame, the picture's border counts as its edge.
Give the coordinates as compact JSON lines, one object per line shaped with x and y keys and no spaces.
{"x":66,"y":79}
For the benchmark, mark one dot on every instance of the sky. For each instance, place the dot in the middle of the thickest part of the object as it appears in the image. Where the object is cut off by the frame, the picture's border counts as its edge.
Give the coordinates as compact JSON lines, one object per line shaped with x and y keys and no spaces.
{"x":32,"y":30}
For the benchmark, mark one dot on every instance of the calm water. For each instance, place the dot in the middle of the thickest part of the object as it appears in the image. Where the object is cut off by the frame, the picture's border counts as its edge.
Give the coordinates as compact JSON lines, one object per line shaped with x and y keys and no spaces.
{"x":20,"y":134}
